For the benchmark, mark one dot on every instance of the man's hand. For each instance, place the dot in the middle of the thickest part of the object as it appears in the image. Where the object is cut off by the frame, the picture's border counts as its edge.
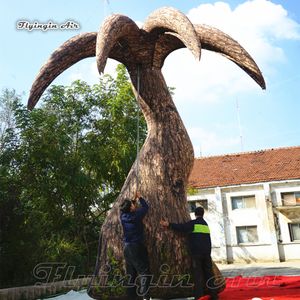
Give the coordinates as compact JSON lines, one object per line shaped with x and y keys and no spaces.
{"x":164,"y":223}
{"x":138,"y":195}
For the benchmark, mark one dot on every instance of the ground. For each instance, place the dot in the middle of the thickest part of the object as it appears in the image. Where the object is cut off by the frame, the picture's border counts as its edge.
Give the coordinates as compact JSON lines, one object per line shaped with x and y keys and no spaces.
{"x":259,"y":281}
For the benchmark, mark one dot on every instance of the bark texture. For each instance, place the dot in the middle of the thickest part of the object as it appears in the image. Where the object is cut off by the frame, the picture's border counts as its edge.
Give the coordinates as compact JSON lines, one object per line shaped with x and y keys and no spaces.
{"x":166,"y":158}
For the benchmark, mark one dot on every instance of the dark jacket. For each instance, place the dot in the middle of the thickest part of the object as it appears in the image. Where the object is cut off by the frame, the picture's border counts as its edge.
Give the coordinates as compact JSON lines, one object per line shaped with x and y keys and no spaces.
{"x":132,"y":223}
{"x":198,"y":235}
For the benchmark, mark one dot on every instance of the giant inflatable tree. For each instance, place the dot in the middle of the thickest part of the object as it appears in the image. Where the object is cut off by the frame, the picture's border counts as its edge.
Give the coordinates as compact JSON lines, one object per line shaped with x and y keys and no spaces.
{"x":166,"y":158}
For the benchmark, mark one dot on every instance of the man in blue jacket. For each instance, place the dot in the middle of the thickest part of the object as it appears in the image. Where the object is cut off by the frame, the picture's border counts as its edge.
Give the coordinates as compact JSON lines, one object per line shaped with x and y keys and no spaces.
{"x":200,"y":248}
{"x":135,"y":252}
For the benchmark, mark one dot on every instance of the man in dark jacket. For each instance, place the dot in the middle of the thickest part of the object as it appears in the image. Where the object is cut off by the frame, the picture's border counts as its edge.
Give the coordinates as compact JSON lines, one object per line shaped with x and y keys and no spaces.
{"x":200,"y":248}
{"x":135,"y":252}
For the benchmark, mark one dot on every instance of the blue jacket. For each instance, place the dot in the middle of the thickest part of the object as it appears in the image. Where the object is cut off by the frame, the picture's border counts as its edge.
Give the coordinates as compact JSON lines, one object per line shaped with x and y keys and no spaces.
{"x":198,"y":235}
{"x":132,"y":223}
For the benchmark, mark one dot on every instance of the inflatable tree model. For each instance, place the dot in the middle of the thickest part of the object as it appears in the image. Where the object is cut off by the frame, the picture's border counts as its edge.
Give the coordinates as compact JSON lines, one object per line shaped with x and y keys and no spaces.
{"x":166,"y":158}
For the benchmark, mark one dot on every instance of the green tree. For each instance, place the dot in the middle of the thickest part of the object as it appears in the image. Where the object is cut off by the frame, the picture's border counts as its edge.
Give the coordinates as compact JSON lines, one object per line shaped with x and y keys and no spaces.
{"x":11,"y":214}
{"x":8,"y":101}
{"x":65,"y":162}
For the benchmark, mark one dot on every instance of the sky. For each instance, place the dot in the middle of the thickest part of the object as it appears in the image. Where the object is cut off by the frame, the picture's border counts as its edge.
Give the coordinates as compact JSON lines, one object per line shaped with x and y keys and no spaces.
{"x":223,"y":109}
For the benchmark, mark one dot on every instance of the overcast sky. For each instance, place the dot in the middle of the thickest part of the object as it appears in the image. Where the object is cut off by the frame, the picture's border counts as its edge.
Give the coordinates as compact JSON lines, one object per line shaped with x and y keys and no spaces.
{"x":223,"y":109}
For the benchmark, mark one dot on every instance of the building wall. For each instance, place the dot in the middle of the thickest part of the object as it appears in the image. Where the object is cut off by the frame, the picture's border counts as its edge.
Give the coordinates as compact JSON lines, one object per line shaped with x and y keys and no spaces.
{"x":288,"y":249}
{"x":264,"y":249}
{"x":274,"y":242}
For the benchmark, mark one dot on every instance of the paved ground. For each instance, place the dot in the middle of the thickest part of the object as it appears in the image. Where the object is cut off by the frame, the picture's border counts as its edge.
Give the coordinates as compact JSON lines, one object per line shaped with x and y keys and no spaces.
{"x":246,"y":270}
{"x":261,"y":269}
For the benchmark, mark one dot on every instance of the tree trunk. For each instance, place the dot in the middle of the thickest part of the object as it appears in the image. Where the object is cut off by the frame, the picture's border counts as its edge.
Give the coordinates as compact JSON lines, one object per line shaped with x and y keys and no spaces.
{"x":165,"y":162}
{"x":167,"y":157}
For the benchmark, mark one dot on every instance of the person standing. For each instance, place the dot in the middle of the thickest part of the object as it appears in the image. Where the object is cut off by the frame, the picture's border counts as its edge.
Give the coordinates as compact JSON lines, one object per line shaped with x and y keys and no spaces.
{"x":135,"y":252}
{"x":200,"y":248}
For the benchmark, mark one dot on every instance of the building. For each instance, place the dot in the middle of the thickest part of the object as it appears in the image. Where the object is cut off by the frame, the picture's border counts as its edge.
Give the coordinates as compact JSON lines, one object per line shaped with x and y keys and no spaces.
{"x":252,"y":203}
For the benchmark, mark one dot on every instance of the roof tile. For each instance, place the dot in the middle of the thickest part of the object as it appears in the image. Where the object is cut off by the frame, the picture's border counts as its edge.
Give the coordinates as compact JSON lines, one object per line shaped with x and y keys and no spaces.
{"x":248,"y":167}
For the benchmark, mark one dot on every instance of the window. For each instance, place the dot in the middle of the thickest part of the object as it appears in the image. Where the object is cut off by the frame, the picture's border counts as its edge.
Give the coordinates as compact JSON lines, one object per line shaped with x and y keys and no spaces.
{"x":247,"y":234}
{"x":291,"y":198}
{"x":294,"y":231}
{"x":197,"y":203}
{"x":243,"y":202}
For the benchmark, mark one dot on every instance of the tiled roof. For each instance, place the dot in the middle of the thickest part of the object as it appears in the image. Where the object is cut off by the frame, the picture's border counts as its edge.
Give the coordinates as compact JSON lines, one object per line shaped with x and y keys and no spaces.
{"x":247,"y":167}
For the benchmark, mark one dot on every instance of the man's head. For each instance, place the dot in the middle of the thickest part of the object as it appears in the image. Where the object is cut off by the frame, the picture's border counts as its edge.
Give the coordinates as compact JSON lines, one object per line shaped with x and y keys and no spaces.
{"x":128,"y":206}
{"x":199,"y":211}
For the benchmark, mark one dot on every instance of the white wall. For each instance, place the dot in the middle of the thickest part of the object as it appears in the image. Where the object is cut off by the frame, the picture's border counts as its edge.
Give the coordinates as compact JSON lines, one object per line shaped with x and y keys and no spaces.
{"x":283,"y":187}
{"x":291,"y":251}
{"x":288,"y":250}
{"x":223,"y":220}
{"x":266,"y":248}
{"x":255,"y":253}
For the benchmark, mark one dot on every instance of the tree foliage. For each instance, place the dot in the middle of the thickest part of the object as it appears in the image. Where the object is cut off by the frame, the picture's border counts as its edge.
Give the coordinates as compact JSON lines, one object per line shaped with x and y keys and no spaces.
{"x":61,"y":167}
{"x":8,"y":100}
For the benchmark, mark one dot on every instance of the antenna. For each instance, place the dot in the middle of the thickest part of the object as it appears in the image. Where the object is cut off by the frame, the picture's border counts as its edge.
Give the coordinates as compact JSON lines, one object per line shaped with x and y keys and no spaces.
{"x":106,"y":5}
{"x":239,"y":124}
{"x":200,"y":148}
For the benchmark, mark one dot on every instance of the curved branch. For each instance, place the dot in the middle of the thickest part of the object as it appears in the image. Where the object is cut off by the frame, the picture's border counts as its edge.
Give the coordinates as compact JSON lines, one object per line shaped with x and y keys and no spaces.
{"x":215,"y":40}
{"x":166,"y":44}
{"x":69,"y":53}
{"x":116,"y":27}
{"x":169,"y":19}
